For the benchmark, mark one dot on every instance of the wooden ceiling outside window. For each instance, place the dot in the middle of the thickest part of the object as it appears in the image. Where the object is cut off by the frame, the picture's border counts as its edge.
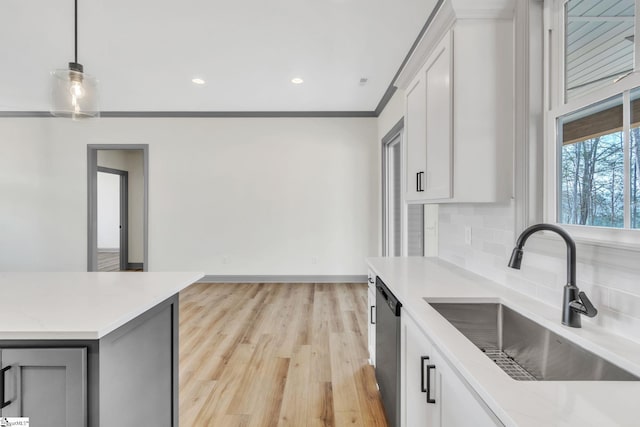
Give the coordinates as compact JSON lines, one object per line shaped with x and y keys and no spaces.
{"x":597,"y":124}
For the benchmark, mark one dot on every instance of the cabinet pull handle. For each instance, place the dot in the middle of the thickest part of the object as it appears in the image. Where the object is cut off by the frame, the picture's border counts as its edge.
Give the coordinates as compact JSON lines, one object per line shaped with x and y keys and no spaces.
{"x":419,"y":187}
{"x":429,"y":368}
{"x":370,"y":279}
{"x":3,"y":403}
{"x":423,"y":387}
{"x":373,"y":321}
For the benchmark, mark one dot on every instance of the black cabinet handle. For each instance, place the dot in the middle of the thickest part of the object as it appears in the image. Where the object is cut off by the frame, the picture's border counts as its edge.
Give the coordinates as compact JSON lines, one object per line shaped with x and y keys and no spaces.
{"x":373,"y":321}
{"x":429,"y":368}
{"x":419,"y":187}
{"x":423,"y":387}
{"x":2,"y":371}
{"x":370,"y":279}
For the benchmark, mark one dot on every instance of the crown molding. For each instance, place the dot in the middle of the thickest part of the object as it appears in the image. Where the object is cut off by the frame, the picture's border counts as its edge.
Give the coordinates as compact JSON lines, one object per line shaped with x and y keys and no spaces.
{"x":449,"y":12}
{"x":484,"y":9}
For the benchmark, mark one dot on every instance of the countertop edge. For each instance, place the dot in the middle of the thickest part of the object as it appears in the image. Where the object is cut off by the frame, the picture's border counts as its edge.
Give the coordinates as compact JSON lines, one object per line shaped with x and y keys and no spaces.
{"x":78,"y":334}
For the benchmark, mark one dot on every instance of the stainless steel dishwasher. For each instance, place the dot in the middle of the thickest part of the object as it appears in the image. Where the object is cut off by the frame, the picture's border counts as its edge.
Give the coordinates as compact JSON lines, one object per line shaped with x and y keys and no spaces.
{"x":388,"y":351}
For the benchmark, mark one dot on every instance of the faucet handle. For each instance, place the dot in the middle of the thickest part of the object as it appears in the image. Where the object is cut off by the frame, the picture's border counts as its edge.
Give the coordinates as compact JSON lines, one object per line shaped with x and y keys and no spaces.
{"x":583,"y":305}
{"x":591,"y":310}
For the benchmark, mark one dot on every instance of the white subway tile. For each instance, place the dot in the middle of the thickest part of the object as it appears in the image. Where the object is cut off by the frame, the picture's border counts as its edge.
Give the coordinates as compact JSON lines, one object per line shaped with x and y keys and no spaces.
{"x":542,"y":276}
{"x":617,"y":278}
{"x":498,"y":222}
{"x":484,"y":234}
{"x":444,"y":217}
{"x":549,"y":296}
{"x":625,"y":303}
{"x":520,"y":284}
{"x":496,"y":249}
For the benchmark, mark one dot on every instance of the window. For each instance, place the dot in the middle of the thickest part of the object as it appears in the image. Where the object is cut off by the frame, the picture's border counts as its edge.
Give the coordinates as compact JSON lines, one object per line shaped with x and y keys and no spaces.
{"x":592,"y":165}
{"x":593,"y":124}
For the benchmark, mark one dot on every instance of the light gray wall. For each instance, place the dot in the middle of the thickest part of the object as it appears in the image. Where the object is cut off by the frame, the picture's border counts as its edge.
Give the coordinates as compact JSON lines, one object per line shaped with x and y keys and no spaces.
{"x":251,"y":196}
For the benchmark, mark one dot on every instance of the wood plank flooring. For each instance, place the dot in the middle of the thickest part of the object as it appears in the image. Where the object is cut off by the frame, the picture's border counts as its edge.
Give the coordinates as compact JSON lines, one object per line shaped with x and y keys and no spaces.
{"x":276,"y":355}
{"x":108,"y":261}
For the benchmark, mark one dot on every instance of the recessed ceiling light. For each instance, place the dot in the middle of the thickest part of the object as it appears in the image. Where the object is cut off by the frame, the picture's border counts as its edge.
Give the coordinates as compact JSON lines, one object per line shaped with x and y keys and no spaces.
{"x":297,"y":81}
{"x":198,"y":81}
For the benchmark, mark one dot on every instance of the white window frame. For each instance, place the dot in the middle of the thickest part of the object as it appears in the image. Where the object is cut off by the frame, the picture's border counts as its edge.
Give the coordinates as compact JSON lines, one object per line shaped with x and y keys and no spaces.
{"x":556,"y":106}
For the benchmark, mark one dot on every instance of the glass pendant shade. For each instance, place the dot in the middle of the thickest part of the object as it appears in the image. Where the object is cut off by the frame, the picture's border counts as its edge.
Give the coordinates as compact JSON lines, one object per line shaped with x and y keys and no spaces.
{"x":74,"y":94}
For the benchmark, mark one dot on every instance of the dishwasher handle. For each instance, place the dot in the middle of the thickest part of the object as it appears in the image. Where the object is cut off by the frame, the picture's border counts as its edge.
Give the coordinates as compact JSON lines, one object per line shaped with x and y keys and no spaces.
{"x":382,"y":292}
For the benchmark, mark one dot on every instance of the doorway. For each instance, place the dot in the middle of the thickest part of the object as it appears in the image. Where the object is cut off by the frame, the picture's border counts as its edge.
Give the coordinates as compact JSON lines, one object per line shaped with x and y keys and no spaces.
{"x":402,"y":224}
{"x":393,"y":208}
{"x":117,"y":232}
{"x":113,"y":217}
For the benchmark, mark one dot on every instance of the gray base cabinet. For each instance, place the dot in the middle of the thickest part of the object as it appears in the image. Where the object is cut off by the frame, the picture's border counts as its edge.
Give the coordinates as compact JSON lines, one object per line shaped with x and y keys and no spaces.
{"x":127,"y":378}
{"x":49,"y":384}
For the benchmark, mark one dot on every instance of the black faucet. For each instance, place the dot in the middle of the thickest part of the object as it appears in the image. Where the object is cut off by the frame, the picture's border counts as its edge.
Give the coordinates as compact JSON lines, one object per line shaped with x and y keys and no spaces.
{"x":574,"y":302}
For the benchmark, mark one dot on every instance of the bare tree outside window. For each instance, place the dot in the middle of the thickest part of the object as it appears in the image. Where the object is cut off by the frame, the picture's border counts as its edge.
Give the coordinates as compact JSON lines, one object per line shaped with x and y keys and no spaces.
{"x":593,"y":182}
{"x":592,"y":165}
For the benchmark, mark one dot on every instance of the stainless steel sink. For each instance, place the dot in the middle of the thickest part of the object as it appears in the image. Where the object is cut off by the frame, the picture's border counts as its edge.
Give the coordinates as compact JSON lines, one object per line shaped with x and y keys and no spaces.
{"x":524,"y":349}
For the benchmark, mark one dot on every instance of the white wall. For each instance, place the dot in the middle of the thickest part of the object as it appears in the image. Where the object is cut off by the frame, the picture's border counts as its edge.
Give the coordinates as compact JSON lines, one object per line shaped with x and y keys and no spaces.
{"x":131,"y":161}
{"x":226,"y":196}
{"x":108,"y":211}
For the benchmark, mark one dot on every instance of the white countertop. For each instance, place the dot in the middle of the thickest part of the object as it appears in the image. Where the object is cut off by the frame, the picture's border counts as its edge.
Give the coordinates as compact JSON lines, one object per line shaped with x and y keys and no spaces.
{"x":516,"y":403}
{"x":80,"y":305}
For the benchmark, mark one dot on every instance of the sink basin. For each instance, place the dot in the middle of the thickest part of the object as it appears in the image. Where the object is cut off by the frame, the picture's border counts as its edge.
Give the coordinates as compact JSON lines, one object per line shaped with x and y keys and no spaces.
{"x":524,"y":349}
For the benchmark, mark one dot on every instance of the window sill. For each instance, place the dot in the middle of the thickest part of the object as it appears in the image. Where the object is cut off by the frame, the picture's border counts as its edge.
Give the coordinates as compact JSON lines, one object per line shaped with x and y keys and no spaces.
{"x":595,"y":245}
{"x":605,"y":237}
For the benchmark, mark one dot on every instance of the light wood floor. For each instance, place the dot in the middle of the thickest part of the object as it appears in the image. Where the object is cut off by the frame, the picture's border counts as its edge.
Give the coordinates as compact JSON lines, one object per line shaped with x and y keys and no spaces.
{"x":276,"y":355}
{"x":108,"y":261}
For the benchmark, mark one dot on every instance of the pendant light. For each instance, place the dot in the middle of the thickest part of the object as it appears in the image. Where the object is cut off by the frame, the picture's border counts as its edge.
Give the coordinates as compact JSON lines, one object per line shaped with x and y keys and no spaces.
{"x":74,"y":93}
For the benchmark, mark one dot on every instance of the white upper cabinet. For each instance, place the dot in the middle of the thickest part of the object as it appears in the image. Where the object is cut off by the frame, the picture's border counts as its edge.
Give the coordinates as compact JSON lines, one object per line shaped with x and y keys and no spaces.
{"x":459,"y":107}
{"x":428,"y":127}
{"x":416,"y":131}
{"x":439,"y":142}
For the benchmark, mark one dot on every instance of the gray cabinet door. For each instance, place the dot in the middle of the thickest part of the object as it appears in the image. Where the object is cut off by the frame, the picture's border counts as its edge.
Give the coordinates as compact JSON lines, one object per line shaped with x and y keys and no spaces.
{"x":48,"y":385}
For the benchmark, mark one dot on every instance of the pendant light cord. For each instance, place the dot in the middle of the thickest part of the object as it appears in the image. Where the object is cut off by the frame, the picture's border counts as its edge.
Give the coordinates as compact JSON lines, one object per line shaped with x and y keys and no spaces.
{"x":76,"y":30}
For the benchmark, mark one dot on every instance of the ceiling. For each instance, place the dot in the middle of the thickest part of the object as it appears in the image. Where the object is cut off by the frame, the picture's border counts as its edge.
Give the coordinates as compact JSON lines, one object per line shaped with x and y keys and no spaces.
{"x":146,"y":52}
{"x":600,"y":43}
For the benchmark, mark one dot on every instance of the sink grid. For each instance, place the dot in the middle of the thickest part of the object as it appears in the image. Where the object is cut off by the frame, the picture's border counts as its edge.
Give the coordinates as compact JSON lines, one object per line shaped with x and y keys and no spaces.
{"x":508,"y":365}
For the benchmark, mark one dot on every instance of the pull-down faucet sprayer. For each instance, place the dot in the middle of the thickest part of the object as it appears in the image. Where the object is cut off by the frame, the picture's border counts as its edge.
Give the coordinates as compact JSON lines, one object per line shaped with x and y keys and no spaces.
{"x":574,"y":302}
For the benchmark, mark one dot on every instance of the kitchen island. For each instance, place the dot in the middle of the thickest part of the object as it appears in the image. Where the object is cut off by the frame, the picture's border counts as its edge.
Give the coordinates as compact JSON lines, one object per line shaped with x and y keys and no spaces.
{"x":90,"y":349}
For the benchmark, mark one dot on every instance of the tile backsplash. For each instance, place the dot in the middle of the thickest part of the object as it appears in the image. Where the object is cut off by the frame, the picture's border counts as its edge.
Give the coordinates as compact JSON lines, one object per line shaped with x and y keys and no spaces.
{"x":614,"y":290}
